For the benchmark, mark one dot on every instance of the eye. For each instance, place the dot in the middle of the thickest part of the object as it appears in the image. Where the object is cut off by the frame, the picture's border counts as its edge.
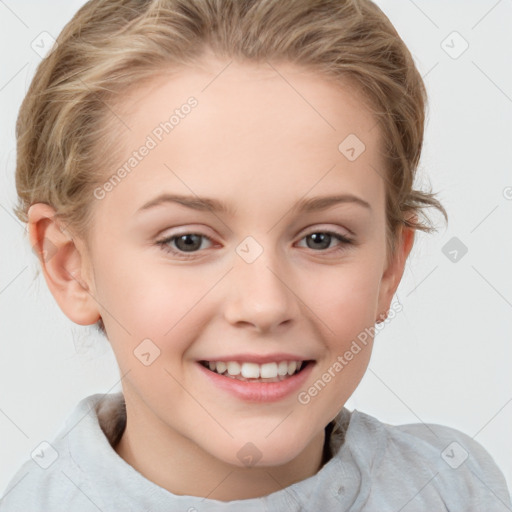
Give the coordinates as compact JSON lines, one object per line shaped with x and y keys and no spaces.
{"x":319,"y":240}
{"x":191,"y":243}
{"x":185,"y":243}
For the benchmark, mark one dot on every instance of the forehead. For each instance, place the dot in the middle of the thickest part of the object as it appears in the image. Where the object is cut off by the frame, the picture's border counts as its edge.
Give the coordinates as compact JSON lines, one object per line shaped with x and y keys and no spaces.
{"x":264,"y":131}
{"x":235,"y":91}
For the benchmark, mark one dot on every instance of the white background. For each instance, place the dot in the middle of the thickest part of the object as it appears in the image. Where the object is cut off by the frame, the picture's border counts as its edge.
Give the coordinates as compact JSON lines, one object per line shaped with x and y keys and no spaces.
{"x":446,"y":358}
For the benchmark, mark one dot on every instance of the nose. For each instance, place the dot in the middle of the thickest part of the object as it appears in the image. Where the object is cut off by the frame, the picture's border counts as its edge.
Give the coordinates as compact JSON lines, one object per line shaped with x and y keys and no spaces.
{"x":260,"y":294}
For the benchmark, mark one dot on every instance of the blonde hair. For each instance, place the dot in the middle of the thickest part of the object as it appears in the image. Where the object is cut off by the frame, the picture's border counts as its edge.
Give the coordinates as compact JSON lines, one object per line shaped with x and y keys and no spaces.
{"x":65,"y":135}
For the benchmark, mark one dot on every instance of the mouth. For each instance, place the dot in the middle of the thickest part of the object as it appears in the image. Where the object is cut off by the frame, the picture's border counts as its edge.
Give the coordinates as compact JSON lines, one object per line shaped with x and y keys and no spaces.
{"x":247,"y":371}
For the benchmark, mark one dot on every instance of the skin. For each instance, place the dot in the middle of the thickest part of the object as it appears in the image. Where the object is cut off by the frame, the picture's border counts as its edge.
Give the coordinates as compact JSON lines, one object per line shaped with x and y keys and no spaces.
{"x":255,"y":143}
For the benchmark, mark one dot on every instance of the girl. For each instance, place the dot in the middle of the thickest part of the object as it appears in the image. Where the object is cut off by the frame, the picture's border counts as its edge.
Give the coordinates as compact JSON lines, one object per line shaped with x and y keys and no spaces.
{"x":225,"y":188}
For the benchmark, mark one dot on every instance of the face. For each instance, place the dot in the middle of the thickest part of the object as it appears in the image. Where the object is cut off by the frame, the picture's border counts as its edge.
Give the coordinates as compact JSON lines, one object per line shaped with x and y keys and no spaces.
{"x":265,"y":279}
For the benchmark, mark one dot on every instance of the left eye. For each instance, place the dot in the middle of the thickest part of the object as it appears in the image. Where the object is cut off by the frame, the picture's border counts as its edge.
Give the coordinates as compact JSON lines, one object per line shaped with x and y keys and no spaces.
{"x":323,"y":239}
{"x":189,"y":243}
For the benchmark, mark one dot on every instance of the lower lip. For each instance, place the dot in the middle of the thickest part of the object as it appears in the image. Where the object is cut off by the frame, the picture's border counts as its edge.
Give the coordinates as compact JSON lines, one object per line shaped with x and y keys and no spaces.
{"x":259,"y":391}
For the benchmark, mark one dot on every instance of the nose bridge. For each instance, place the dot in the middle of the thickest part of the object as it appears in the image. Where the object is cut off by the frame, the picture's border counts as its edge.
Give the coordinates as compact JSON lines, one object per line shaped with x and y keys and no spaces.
{"x":258,"y":292}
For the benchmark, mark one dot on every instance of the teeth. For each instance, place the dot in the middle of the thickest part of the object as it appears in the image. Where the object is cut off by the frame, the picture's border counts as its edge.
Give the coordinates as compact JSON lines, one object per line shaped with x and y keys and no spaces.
{"x":268,"y":370}
{"x":233,"y":368}
{"x":251,"y":370}
{"x":282,"y":369}
{"x":274,"y":371}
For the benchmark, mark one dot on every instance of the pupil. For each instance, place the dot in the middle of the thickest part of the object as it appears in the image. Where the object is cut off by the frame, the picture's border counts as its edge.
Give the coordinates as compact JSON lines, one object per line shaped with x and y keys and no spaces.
{"x":322,"y":238}
{"x":189,"y":243}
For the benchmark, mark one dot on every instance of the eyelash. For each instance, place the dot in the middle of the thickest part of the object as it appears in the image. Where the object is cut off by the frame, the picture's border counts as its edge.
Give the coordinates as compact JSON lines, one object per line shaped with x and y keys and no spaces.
{"x":345,"y":241}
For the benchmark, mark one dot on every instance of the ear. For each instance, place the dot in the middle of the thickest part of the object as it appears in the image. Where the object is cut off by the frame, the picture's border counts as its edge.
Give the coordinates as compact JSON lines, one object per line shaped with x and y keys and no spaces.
{"x":395,"y":268}
{"x":64,"y":266}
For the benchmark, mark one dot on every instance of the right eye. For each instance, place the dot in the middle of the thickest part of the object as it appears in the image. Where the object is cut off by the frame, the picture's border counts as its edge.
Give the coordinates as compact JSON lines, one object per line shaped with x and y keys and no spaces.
{"x":184,"y":243}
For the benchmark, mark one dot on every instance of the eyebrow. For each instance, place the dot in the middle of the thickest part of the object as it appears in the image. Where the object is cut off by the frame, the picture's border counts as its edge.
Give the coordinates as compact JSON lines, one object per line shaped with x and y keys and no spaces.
{"x":214,"y":205}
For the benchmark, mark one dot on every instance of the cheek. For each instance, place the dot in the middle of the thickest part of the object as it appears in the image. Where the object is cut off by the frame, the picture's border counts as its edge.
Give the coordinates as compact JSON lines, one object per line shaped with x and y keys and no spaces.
{"x":346,"y":297}
{"x":144,"y":298}
{"x":346,"y":300}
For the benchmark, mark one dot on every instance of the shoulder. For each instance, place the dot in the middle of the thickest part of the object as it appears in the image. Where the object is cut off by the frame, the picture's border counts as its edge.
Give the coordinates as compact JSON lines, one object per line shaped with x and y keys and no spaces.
{"x":51,"y":479}
{"x":425,"y":459}
{"x":38,"y":489}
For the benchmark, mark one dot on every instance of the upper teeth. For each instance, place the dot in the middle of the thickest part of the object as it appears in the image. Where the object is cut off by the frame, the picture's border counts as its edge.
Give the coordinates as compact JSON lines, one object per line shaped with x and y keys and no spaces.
{"x":254,"y":370}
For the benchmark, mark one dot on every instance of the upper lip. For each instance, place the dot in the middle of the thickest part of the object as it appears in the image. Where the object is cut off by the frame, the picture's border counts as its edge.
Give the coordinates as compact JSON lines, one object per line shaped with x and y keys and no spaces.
{"x":258,"y":358}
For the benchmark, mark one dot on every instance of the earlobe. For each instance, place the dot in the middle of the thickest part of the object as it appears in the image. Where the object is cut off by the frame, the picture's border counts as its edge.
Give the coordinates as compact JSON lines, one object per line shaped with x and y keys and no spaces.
{"x":63,"y":265}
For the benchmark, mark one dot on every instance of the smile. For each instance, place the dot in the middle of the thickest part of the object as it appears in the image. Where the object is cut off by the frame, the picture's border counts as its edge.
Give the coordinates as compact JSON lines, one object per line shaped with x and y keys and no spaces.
{"x":267,"y":382}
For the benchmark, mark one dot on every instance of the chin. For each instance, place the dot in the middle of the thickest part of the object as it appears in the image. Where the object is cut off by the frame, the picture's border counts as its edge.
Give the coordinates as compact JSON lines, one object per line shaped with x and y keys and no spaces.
{"x":260,"y":452}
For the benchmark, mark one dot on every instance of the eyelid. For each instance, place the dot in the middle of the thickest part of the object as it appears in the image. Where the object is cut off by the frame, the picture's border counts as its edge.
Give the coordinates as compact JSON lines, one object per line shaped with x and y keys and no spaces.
{"x":191,"y":229}
{"x":315,"y":228}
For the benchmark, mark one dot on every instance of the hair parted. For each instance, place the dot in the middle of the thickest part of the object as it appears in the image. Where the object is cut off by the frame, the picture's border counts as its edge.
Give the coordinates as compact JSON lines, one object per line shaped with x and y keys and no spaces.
{"x":67,"y":127}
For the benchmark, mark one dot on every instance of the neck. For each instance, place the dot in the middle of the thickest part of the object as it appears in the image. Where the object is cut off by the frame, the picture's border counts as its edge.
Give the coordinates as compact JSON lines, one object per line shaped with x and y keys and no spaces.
{"x":180,"y":466}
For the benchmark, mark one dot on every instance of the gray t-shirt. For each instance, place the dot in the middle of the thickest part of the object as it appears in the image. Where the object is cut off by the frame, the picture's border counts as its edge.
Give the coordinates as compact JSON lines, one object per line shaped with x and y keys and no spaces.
{"x":373,"y":466}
